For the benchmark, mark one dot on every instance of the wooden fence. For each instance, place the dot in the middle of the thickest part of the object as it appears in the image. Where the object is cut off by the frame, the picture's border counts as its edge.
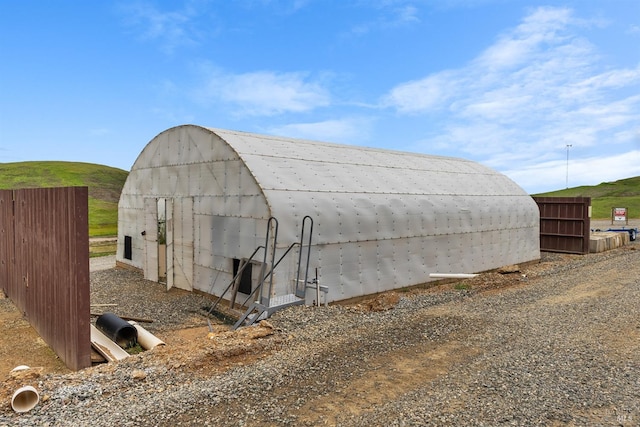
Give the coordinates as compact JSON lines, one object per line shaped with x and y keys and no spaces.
{"x":44,"y":265}
{"x":564,"y":224}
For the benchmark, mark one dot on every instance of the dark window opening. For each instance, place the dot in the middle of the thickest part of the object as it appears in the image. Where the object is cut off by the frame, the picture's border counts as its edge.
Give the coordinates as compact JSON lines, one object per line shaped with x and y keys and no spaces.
{"x":127,"y":247}
{"x":245,"y":278}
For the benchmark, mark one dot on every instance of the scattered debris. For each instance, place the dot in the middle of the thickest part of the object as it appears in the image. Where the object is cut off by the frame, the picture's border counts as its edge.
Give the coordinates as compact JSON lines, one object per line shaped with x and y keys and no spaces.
{"x":134,"y":319}
{"x":382,"y":302}
{"x":266,"y":324}
{"x":24,"y":372}
{"x":509,"y":269}
{"x":261,"y":330}
{"x":138,"y":374}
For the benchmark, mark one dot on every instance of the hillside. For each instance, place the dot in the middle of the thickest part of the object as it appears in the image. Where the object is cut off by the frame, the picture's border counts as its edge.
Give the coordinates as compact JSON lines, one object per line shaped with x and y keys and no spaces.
{"x":104,"y":184}
{"x":624,"y":193}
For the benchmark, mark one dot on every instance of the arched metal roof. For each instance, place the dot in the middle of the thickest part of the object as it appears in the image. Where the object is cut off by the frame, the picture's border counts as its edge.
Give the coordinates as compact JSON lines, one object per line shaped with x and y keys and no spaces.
{"x":382,"y":219}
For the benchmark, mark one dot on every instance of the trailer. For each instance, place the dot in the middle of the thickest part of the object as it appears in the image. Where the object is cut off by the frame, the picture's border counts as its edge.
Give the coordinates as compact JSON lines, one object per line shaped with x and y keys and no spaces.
{"x":633,"y":232}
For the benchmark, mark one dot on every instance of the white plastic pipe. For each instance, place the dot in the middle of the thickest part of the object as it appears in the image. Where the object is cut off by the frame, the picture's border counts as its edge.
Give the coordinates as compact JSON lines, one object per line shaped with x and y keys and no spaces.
{"x":107,"y":348}
{"x":25,"y":399}
{"x":145,"y":338}
{"x":452,"y":275}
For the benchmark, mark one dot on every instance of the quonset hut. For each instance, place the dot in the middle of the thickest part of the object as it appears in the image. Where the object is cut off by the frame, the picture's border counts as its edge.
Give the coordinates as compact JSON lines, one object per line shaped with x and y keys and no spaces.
{"x":200,"y":203}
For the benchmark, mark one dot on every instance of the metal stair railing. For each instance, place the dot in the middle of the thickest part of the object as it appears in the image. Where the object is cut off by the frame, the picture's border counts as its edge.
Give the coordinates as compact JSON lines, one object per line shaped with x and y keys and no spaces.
{"x":267,"y":275}
{"x":298,"y":293}
{"x":263,"y":305}
{"x":301,"y":290}
{"x":233,"y":281}
{"x":265,"y":300}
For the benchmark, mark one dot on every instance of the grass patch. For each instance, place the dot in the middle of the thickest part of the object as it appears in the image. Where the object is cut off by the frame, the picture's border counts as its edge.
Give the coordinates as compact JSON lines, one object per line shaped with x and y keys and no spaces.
{"x":103,"y":182}
{"x":102,"y":248}
{"x":624,"y":193}
{"x":462,"y":286}
{"x":136,"y":349}
{"x":103,"y":218}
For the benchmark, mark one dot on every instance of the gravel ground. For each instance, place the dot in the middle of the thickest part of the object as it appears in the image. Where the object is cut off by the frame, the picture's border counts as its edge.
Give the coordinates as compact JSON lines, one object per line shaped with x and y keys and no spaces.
{"x":127,"y":294}
{"x":102,"y":263}
{"x":554,"y":344}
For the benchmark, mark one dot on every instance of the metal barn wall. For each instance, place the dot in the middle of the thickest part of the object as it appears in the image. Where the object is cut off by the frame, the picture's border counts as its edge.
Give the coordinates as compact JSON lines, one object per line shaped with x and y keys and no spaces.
{"x":44,"y":261}
{"x":382,"y":220}
{"x":564,"y":224}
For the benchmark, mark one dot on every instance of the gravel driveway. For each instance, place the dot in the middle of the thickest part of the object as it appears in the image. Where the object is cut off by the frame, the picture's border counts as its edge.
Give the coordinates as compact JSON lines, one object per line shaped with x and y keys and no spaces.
{"x":554,"y":344}
{"x":102,"y":263}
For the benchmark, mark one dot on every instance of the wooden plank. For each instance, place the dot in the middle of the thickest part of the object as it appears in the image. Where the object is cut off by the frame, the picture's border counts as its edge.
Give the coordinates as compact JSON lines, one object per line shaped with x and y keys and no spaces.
{"x":48,"y":265}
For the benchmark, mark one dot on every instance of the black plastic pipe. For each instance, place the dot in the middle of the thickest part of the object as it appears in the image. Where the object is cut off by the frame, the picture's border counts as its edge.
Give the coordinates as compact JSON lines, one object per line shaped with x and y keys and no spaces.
{"x":117,"y":330}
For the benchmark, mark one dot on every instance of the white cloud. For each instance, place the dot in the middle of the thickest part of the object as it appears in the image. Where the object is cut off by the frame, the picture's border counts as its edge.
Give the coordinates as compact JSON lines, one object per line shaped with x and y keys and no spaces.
{"x":540,"y":86}
{"x":430,"y":93}
{"x":391,"y":15}
{"x":612,"y":79}
{"x":405,"y":14}
{"x":265,"y":92}
{"x":544,"y":26}
{"x":536,"y":178}
{"x":172,"y":29}
{"x":634,"y":29}
{"x":520,"y":63}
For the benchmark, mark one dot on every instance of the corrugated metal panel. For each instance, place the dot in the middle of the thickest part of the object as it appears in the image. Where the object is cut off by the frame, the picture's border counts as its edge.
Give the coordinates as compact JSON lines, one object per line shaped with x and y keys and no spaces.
{"x":564,"y":224}
{"x":49,"y":275}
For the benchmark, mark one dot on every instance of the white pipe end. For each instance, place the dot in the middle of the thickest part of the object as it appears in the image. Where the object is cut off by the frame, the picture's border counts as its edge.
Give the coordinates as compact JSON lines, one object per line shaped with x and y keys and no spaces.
{"x":25,"y":399}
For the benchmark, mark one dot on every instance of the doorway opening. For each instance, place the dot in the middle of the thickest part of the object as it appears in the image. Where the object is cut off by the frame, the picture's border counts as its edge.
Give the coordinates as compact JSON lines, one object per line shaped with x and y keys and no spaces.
{"x":162,"y":239}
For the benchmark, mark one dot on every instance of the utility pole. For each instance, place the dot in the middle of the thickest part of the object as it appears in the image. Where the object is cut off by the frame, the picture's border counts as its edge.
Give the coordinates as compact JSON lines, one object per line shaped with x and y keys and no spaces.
{"x":568,"y":146}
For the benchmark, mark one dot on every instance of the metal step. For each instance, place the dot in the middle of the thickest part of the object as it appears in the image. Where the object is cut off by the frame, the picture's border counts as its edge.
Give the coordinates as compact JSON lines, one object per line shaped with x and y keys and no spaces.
{"x":257,"y":311}
{"x":283,"y":301}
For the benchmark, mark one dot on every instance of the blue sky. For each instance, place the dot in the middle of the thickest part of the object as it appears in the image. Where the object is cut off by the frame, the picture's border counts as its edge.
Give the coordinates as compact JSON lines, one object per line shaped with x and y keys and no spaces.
{"x":506,"y":83}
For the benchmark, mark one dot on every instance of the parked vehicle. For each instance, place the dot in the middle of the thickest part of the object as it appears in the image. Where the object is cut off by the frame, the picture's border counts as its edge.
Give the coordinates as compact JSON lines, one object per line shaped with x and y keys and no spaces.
{"x":633,"y":232}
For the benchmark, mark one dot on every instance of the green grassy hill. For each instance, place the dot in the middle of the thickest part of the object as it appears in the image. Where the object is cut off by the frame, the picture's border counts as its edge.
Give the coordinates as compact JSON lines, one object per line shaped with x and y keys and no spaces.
{"x":104,"y":183}
{"x":624,"y":193}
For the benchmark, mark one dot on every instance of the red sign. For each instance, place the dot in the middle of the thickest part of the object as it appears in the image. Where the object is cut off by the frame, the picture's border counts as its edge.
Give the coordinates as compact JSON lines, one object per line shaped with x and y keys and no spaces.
{"x":619,"y":214}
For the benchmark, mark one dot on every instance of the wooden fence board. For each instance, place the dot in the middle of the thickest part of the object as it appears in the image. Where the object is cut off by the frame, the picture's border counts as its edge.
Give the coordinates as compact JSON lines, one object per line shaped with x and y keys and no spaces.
{"x":564,"y":224}
{"x":48,"y":277}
